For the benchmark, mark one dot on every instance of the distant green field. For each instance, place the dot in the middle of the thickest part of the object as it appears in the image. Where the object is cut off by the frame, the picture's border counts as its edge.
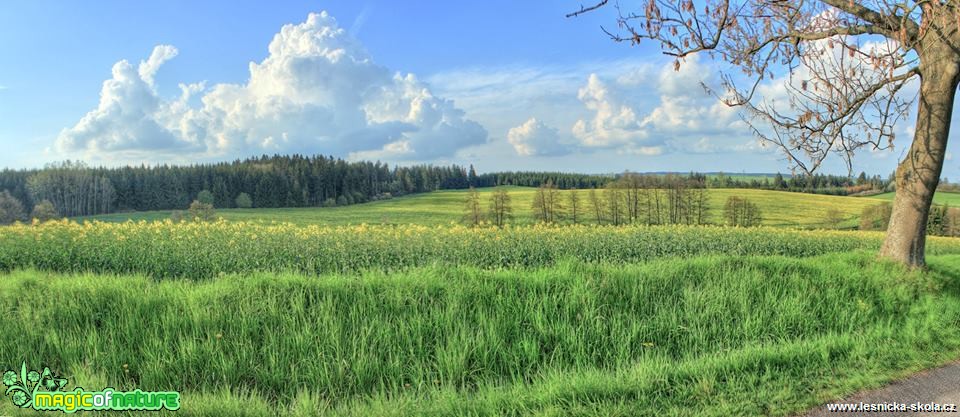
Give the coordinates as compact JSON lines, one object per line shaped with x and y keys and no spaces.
{"x":953,"y":199}
{"x":779,"y":208}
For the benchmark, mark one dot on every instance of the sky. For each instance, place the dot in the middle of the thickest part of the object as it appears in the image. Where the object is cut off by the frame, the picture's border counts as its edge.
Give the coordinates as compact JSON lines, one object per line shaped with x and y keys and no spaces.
{"x":502,"y":85}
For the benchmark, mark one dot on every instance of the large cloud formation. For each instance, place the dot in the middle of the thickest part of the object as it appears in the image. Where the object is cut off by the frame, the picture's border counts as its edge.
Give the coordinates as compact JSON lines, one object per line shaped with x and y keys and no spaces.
{"x":682,"y":117}
{"x":628,"y":107}
{"x":318,"y":91}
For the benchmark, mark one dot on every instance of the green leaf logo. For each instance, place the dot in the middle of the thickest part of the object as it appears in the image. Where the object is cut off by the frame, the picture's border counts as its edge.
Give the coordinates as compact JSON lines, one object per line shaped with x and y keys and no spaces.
{"x":23,"y":385}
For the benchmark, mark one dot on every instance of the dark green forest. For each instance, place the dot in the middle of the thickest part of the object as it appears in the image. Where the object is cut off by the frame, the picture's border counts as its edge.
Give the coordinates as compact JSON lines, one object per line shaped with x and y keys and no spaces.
{"x":270,"y":181}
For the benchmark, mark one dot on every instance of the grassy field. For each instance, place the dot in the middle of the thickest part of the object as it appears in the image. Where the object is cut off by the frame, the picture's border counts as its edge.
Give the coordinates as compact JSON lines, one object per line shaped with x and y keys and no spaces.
{"x":953,"y":199}
{"x":779,"y":208}
{"x":201,"y":250}
{"x":708,"y":336}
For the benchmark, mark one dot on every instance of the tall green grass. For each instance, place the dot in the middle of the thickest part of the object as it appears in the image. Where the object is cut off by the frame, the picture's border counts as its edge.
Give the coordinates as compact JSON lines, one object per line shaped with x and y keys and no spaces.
{"x":703,"y":336}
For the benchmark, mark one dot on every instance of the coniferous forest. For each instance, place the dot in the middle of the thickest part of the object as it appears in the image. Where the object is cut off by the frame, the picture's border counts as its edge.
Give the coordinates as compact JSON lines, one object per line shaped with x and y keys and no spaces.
{"x":271,"y":181}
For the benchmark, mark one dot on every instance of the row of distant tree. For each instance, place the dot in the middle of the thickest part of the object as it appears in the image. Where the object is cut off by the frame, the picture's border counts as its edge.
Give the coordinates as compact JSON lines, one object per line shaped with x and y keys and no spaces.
{"x":631,"y":198}
{"x":818,"y":183}
{"x":670,"y":199}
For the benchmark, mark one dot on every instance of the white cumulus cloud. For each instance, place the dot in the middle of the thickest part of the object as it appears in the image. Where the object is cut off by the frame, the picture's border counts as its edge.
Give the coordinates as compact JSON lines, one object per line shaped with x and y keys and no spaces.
{"x":161,"y":54}
{"x":686,"y":113}
{"x":614,"y":123}
{"x":535,"y":138}
{"x":129,"y":116}
{"x":317,"y":91}
{"x":645,"y":113}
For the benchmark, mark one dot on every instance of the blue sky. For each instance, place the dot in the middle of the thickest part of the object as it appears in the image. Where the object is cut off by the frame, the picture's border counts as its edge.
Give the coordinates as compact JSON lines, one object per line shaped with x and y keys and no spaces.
{"x":503,"y":85}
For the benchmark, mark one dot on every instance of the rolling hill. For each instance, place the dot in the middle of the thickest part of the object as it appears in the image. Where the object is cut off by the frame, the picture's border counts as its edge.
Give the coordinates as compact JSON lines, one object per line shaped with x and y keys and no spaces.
{"x":779,"y":208}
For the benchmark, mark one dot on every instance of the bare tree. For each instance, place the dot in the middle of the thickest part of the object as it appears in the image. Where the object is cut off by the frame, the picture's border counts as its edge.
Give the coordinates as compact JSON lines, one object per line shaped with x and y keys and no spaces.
{"x":651,"y":203}
{"x":540,"y":205}
{"x":557,"y":207}
{"x":500,"y":208}
{"x":739,"y":211}
{"x":596,"y":205}
{"x":700,"y":204}
{"x":845,"y":67}
{"x":574,"y":205}
{"x":678,"y":199}
{"x":632,"y":184}
{"x":547,"y":206}
{"x":615,"y":204}
{"x":473,"y":215}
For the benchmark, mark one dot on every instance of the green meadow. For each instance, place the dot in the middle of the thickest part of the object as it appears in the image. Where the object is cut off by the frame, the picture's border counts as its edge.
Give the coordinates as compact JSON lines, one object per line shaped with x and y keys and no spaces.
{"x":778,"y":208}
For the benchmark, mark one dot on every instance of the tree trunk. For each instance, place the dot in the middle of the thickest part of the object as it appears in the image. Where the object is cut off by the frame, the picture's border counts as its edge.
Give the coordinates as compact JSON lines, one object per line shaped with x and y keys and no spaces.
{"x":919,"y":173}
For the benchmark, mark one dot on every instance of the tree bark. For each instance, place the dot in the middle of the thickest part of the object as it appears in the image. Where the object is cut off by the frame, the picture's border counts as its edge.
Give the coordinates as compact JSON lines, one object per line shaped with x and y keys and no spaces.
{"x":919,"y":173}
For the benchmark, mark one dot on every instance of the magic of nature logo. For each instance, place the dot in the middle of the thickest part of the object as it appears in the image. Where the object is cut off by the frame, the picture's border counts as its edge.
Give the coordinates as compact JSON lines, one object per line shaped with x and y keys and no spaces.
{"x":45,"y":391}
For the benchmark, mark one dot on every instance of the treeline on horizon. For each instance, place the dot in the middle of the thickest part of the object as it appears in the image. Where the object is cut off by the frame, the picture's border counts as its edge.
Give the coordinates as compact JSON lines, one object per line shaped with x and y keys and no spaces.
{"x":76,"y":189}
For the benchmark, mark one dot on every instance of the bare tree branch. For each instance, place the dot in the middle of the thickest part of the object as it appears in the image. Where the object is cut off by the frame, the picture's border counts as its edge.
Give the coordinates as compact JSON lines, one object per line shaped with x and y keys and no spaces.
{"x":890,"y":24}
{"x":587,"y":9}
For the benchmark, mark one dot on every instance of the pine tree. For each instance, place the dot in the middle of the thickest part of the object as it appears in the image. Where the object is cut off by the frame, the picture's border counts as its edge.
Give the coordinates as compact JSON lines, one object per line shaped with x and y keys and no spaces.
{"x":472,"y":177}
